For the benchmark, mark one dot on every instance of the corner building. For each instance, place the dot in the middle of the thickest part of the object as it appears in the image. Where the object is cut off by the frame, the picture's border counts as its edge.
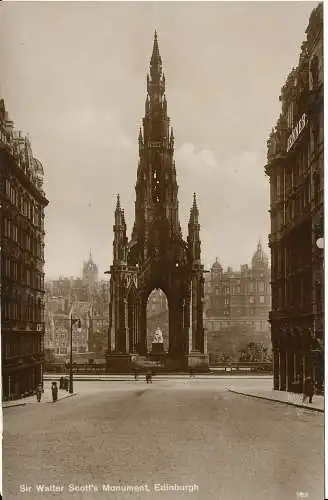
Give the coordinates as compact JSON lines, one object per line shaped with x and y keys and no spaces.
{"x":156,"y":257}
{"x":295,"y":168}
{"x":240,"y":298}
{"x":22,"y":260}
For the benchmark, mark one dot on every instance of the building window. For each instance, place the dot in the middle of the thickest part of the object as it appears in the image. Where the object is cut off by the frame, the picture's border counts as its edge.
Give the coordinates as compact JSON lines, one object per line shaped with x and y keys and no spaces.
{"x":290,"y":115}
{"x":15,"y":233}
{"x":251,"y":299}
{"x":8,"y":188}
{"x":262,"y":300}
{"x":278,"y":186}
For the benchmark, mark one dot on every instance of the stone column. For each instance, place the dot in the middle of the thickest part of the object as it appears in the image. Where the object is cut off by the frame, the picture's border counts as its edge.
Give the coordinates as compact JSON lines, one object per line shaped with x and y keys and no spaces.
{"x":194,"y":313}
{"x":135,"y":326}
{"x":289,"y":370}
{"x":143,"y":329}
{"x":190,"y":320}
{"x":197,"y":359}
{"x":295,"y":364}
{"x":126,"y":325}
{"x":282,"y":384}
{"x":275,"y":369}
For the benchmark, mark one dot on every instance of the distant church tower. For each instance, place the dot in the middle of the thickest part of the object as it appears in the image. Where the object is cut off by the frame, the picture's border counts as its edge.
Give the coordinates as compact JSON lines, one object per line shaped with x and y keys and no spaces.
{"x":90,"y":272}
{"x":157,"y":257}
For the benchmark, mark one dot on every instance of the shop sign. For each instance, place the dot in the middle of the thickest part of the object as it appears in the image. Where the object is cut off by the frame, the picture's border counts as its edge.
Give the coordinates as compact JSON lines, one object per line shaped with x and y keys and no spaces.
{"x":296,"y":132}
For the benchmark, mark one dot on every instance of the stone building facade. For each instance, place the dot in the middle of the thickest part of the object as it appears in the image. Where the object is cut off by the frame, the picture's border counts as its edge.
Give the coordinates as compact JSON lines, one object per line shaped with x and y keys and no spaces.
{"x":295,"y":169}
{"x":238,"y":301}
{"x":85,"y":298}
{"x":22,"y":261}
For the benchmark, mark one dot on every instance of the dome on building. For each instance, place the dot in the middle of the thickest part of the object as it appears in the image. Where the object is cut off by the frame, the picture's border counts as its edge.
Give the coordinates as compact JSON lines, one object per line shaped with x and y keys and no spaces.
{"x":216,"y":267}
{"x":259,"y":258}
{"x":38,"y":172}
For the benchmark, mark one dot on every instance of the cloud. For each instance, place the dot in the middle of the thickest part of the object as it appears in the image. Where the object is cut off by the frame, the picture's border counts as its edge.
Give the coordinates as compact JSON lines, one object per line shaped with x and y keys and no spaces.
{"x":81,"y":96}
{"x":233,"y":199}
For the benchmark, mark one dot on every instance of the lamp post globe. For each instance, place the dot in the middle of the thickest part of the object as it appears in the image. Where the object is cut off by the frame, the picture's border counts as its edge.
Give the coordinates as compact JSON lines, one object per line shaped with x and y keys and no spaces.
{"x":320,"y":243}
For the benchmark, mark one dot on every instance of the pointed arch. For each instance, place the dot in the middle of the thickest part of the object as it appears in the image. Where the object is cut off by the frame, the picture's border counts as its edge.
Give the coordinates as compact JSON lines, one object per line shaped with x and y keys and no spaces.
{"x":157,"y":307}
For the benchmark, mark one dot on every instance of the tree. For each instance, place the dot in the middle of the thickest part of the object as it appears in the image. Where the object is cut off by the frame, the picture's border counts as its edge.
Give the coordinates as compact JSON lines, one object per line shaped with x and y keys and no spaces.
{"x":255,"y":352}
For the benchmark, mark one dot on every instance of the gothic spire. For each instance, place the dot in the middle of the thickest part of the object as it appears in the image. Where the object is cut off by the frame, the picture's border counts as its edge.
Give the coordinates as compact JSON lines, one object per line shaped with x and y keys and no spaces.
{"x":193,"y":231}
{"x":194,"y":211}
{"x":155,"y":61}
{"x":119,"y":216}
{"x":156,"y":186}
{"x":155,"y":58}
{"x":118,"y":204}
{"x":194,"y":203}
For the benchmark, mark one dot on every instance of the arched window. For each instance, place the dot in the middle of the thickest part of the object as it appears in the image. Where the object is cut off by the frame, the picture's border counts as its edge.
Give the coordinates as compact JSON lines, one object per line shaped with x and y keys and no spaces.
{"x":156,"y":175}
{"x":39,"y":310}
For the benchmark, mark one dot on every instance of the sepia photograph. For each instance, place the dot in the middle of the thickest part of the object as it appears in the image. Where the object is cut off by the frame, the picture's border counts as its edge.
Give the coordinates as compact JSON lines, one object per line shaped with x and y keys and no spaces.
{"x":162,"y":250}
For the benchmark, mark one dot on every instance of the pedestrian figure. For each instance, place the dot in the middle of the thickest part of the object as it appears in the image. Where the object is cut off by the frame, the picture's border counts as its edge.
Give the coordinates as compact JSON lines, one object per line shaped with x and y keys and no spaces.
{"x":148,"y":377}
{"x":39,"y":393}
{"x":135,"y":374}
{"x":308,"y":390}
{"x":61,"y":383}
{"x":54,"y":391}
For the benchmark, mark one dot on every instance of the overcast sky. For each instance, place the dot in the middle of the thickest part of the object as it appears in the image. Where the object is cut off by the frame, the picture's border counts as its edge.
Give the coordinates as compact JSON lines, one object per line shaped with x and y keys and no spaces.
{"x":73,"y":76}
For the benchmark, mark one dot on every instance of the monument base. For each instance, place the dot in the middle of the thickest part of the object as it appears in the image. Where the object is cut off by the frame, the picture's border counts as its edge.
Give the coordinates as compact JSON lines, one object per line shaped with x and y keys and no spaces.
{"x":157,"y":348}
{"x":159,"y":358}
{"x":197,"y":361}
{"x":119,"y":362}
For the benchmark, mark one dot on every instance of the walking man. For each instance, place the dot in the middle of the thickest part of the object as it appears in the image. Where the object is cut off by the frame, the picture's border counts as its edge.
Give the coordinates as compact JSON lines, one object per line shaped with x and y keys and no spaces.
{"x":308,"y":390}
{"x":54,"y":391}
{"x":39,"y":393}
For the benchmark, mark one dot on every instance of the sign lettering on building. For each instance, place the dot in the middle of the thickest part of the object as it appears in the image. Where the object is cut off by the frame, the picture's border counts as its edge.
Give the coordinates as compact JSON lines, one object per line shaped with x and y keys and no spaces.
{"x":296,"y":132}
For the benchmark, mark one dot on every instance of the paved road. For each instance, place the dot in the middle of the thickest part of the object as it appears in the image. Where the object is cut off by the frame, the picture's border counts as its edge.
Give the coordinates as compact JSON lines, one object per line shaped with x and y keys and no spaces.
{"x":175,"y":432}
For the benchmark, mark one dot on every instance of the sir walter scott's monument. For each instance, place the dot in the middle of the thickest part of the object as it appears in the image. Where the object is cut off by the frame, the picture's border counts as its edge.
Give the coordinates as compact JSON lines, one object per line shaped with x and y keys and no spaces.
{"x":156,"y":256}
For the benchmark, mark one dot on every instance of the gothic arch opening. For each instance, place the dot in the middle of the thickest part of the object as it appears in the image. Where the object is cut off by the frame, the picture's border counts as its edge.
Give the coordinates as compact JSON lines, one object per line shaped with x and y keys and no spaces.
{"x":157,"y":313}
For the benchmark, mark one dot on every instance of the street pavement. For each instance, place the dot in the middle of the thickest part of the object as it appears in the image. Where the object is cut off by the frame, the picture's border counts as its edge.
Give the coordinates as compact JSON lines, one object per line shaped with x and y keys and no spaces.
{"x":45,"y":398}
{"x":175,"y":433}
{"x":289,"y":398}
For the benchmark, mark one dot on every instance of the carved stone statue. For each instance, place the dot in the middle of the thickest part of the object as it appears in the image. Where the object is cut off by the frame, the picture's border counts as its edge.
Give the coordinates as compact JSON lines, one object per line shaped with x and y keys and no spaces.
{"x":158,"y":336}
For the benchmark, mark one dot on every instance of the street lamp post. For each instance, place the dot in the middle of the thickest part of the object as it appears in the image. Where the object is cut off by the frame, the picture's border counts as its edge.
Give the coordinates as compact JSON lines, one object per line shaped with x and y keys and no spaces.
{"x":73,"y":321}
